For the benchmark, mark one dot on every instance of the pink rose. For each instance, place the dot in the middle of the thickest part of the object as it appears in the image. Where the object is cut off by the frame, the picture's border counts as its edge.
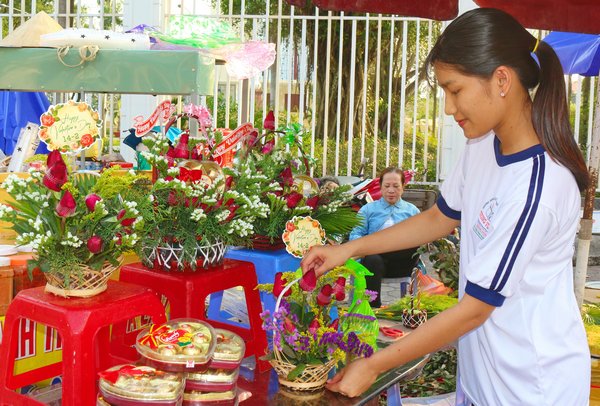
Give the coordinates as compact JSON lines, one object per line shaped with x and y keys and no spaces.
{"x":95,"y":244}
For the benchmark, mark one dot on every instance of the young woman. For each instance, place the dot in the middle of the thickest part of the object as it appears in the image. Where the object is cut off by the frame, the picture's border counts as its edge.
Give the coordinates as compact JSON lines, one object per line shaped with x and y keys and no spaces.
{"x":381,"y":214}
{"x":516,"y":195}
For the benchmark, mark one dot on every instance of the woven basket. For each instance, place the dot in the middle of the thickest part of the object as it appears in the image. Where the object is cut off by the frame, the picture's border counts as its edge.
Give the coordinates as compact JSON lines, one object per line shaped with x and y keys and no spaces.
{"x":263,"y":243}
{"x":413,"y":320}
{"x":83,"y":282}
{"x":169,"y":257}
{"x":314,"y":376}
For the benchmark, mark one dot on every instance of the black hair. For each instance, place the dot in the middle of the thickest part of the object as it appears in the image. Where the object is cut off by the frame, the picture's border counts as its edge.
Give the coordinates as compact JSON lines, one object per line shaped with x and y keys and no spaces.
{"x":481,"y":40}
{"x":392,"y":169}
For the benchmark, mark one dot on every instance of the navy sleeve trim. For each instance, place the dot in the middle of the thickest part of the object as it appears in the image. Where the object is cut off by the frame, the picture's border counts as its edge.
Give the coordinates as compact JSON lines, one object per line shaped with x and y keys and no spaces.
{"x":444,"y":208}
{"x":488,"y":296}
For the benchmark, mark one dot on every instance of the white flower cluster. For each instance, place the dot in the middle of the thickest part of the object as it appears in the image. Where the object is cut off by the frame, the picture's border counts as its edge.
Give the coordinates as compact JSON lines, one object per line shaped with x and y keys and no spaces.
{"x":5,"y":210}
{"x":222,"y":215}
{"x":174,"y":171}
{"x":154,"y":159}
{"x":198,"y":215}
{"x":280,"y":157}
{"x":13,"y":182}
{"x":71,"y":240}
{"x":35,"y":174}
{"x":37,"y":224}
{"x":332,"y":207}
{"x":128,"y":240}
{"x":241,"y":227}
{"x":253,"y":205}
{"x":100,"y":208}
{"x":36,"y":240}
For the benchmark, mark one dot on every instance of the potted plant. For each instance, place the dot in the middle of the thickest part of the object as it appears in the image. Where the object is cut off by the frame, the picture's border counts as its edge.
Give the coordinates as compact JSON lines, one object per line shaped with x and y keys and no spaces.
{"x":276,"y":163}
{"x":306,"y":343}
{"x":191,"y":213}
{"x":77,"y":229}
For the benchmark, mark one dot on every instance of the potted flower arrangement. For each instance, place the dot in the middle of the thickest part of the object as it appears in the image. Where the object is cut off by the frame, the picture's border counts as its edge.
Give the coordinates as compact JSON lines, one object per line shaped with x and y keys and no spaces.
{"x":78,"y":229}
{"x":306,"y":342}
{"x":276,"y":164}
{"x":191,"y":213}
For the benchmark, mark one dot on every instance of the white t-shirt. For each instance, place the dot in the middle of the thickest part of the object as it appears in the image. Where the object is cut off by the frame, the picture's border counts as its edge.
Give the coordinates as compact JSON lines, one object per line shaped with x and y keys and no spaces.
{"x":519,"y":215}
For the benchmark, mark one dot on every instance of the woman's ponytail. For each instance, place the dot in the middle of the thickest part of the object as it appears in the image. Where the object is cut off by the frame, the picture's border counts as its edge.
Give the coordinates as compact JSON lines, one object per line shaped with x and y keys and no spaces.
{"x":550,"y":116}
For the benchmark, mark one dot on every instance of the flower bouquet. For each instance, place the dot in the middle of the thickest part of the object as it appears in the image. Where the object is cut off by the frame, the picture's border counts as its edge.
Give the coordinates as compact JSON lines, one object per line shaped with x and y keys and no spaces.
{"x":191,"y":213}
{"x":276,"y":164}
{"x":77,"y":225}
{"x":306,"y":342}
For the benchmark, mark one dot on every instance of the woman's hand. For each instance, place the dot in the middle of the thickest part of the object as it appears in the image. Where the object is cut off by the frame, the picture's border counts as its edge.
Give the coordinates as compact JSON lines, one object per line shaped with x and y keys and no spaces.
{"x":354,"y":379}
{"x":324,"y":258}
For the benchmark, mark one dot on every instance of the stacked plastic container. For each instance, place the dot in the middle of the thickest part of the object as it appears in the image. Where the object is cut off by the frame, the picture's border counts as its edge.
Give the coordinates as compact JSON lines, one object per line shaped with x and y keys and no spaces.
{"x":185,"y":362}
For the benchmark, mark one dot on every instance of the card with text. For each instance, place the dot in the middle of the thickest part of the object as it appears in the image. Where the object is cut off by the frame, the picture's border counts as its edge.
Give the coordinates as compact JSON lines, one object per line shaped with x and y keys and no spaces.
{"x":302,"y":233}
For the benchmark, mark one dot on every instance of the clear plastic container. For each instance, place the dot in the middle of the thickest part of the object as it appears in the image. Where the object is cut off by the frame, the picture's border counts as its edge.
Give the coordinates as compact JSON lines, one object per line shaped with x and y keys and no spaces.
{"x":212,"y":380}
{"x":229,"y":351}
{"x":197,"y":398}
{"x":131,"y":385}
{"x":180,"y":345}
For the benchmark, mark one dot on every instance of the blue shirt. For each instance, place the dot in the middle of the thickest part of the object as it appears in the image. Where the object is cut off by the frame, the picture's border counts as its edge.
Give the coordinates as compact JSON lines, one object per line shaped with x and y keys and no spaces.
{"x":376,"y":214}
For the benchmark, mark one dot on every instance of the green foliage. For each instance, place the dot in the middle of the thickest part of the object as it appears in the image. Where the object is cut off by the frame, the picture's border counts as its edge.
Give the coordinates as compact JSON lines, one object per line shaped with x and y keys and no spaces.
{"x":61,"y":240}
{"x":433,"y":304}
{"x":438,"y":376}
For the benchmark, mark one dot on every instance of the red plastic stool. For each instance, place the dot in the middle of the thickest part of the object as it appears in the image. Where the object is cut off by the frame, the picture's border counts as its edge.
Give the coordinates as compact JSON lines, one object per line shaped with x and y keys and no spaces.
{"x":83,"y":325}
{"x":187,"y":293}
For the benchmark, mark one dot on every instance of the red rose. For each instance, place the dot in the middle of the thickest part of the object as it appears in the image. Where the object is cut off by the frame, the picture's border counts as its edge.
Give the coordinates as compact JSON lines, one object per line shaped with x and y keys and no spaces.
{"x":56,"y":175}
{"x":335,"y":324}
{"x":95,"y":244}
{"x":125,"y":222}
{"x":279,"y":284}
{"x":66,"y":206}
{"x":287,"y":176}
{"x":47,"y":120}
{"x":324,"y":296}
{"x":308,"y":281}
{"x":91,"y":200}
{"x":269,"y":123}
{"x":86,"y":140}
{"x":314,"y":326}
{"x":312,"y":201}
{"x":293,"y":199}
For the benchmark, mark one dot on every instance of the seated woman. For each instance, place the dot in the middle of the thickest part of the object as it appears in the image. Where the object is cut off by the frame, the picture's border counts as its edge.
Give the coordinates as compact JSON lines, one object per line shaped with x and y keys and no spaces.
{"x":380,"y":214}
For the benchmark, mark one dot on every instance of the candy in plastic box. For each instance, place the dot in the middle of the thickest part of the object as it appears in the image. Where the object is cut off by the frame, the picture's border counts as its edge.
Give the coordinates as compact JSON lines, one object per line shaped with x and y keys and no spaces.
{"x":131,"y":385}
{"x":229,"y":351}
{"x":180,"y":345}
{"x":198,"y":398}
{"x":212,"y":380}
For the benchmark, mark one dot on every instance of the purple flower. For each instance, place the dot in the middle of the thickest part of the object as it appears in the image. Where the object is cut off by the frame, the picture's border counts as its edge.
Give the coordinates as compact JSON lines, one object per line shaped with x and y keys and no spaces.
{"x":371,"y":294}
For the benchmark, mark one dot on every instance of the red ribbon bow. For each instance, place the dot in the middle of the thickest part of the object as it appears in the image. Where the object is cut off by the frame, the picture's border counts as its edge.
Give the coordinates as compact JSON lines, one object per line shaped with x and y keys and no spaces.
{"x":150,"y":339}
{"x":189,"y":175}
{"x":125,"y":370}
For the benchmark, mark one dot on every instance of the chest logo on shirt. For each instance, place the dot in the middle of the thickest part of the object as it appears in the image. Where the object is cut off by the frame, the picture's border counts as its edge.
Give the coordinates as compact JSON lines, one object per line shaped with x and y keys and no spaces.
{"x":483,"y":226}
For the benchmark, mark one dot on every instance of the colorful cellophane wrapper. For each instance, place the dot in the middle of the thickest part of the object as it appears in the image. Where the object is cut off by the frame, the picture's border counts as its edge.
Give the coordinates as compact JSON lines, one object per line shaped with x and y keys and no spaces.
{"x":179,"y":341}
{"x":151,"y":385}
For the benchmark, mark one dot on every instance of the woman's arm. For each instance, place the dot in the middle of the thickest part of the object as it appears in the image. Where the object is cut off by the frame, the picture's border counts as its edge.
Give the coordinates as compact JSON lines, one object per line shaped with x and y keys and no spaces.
{"x":412,"y":232}
{"x":441,"y":330}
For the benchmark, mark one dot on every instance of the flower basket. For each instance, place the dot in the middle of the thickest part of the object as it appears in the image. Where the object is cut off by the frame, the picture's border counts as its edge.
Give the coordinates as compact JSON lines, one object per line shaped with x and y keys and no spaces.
{"x":263,"y":243}
{"x":413,"y":319}
{"x":82,"y":282}
{"x":171,"y":257}
{"x":312,"y":378}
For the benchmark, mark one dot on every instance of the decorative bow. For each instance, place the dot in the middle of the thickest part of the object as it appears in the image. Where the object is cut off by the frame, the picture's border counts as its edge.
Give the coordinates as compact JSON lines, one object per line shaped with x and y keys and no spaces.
{"x":125,"y":370}
{"x":151,"y":338}
{"x":189,"y":175}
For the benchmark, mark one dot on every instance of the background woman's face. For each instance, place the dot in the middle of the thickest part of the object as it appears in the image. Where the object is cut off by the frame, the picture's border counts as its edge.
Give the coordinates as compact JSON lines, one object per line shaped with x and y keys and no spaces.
{"x":391,"y":187}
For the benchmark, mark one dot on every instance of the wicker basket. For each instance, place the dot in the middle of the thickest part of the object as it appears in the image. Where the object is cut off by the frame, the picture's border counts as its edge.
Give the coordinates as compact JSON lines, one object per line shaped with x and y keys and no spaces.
{"x":413,"y":320}
{"x":82,"y":282}
{"x":314,"y":376}
{"x":263,"y":243}
{"x":413,"y":317}
{"x":170,"y":257}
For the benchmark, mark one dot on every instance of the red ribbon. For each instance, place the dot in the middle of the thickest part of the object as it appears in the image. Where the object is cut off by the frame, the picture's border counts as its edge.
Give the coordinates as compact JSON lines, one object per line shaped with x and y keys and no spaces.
{"x":125,"y":370}
{"x":151,"y":338}
{"x":189,"y":175}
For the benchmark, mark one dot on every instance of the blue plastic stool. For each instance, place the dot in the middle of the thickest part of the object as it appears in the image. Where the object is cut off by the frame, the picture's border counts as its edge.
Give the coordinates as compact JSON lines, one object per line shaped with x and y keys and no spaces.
{"x":267,"y":264}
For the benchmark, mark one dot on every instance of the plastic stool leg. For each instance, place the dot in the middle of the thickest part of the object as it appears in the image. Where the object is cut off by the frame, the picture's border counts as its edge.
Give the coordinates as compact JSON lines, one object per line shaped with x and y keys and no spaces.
{"x":79,"y":372}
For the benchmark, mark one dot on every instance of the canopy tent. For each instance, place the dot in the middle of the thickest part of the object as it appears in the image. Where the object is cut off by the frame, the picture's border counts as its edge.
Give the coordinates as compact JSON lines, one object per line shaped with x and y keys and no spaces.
{"x":559,"y":15}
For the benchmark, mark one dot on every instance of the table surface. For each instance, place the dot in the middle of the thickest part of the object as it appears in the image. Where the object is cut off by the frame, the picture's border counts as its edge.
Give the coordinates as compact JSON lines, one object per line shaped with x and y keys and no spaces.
{"x":264,"y":388}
